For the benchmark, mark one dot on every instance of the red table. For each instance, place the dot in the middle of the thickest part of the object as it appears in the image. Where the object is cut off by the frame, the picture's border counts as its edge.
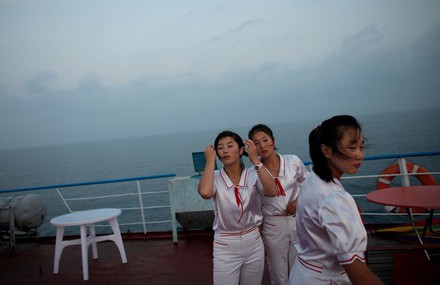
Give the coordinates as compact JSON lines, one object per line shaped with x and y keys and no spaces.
{"x":424,"y":196}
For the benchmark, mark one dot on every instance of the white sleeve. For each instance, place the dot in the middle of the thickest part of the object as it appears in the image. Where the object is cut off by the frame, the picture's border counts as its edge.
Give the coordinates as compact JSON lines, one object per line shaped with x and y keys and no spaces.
{"x":340,"y":217}
{"x":300,"y":169}
{"x":254,"y":175}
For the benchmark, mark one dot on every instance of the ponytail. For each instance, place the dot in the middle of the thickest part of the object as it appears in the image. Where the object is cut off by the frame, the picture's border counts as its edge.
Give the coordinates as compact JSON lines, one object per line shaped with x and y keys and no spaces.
{"x":320,"y":166}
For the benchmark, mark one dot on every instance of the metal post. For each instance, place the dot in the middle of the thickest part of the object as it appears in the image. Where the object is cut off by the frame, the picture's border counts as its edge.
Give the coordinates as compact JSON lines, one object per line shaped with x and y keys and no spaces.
{"x":141,"y":204}
{"x":404,"y":171}
{"x":11,"y":228}
{"x":411,"y":218}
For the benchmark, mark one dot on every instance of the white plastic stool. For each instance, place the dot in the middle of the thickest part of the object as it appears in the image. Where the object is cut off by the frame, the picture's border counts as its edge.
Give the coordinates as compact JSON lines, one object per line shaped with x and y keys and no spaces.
{"x":82,"y":219}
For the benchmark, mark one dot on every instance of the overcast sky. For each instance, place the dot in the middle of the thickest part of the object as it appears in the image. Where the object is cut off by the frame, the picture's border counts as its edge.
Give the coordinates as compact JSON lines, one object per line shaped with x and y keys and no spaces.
{"x":89,"y":70}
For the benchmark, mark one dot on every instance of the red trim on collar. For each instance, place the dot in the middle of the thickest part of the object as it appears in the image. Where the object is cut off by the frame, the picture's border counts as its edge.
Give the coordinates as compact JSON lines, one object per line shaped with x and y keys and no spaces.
{"x":225,"y":179}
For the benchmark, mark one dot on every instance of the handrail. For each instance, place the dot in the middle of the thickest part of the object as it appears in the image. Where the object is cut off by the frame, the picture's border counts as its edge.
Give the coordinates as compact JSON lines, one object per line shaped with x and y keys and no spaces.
{"x":395,"y":155}
{"x":372,"y":157}
{"x":139,"y":193}
{"x":400,"y":158}
{"x":88,"y":183}
{"x":402,"y":155}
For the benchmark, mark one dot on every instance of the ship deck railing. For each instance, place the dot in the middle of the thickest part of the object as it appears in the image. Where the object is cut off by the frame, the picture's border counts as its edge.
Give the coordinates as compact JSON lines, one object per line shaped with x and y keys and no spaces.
{"x":140,"y":193}
{"x":401,"y":160}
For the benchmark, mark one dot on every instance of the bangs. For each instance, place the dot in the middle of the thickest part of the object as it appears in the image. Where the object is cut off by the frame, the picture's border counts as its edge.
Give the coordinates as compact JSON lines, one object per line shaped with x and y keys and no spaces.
{"x":354,"y":133}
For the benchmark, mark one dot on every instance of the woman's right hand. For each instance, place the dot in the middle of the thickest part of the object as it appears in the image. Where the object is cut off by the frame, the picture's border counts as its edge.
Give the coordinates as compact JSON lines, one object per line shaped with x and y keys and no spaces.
{"x":206,"y":183}
{"x":210,"y":153}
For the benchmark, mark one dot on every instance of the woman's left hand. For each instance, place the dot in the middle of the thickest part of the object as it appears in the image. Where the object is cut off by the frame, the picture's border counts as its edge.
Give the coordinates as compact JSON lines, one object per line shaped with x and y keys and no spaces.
{"x":251,"y":149}
{"x":291,"y":208}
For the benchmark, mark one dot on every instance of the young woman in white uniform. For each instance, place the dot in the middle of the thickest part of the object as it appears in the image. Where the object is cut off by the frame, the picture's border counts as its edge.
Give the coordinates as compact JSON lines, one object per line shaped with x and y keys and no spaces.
{"x":279,"y":228}
{"x":331,"y":240}
{"x":236,"y":193}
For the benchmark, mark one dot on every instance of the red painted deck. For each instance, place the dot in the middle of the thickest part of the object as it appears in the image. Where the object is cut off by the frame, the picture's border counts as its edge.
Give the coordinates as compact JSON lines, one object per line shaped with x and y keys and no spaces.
{"x":155,"y":261}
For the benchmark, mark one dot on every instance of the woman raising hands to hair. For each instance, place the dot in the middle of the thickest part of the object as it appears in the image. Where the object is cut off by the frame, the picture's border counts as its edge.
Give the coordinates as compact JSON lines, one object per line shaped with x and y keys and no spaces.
{"x":236,"y":194}
{"x":279,"y":228}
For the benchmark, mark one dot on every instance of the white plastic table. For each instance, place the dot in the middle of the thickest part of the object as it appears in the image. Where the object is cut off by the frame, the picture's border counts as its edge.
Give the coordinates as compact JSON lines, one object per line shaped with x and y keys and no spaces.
{"x":82,"y":219}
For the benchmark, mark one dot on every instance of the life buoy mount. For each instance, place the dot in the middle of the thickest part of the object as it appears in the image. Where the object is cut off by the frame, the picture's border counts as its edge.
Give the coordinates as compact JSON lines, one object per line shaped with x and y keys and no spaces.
{"x":420,"y":172}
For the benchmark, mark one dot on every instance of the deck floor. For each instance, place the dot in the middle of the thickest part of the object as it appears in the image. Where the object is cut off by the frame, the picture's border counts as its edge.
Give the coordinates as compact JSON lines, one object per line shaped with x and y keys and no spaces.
{"x":156,"y":261}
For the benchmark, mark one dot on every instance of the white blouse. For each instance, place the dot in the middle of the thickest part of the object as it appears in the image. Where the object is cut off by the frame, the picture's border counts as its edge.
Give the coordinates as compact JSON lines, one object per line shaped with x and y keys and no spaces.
{"x":292,"y":174}
{"x":237,"y":207}
{"x":329,"y":227}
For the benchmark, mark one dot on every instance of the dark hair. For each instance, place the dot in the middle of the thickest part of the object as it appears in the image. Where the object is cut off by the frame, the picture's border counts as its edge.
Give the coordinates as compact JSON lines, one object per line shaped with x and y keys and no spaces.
{"x":329,"y":133}
{"x":234,"y":136}
{"x":261,"y":128}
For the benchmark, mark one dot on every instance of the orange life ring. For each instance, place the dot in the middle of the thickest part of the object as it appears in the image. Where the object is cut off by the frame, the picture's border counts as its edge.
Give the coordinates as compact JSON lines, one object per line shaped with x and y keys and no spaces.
{"x":393,"y":170}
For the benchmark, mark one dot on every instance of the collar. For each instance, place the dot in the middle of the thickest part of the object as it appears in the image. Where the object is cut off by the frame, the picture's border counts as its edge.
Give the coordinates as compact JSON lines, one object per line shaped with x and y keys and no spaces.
{"x":228,"y":183}
{"x":282,"y":166}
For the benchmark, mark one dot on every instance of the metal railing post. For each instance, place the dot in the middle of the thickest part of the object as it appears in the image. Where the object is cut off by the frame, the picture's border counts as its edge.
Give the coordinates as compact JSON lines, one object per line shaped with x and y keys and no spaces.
{"x":64,"y":200}
{"x":141,"y":205}
{"x":404,"y":171}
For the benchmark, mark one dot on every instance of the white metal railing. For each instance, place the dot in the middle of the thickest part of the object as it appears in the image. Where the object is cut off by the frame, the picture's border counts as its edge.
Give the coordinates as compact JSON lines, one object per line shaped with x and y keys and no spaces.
{"x":141,"y":206}
{"x":405,"y":181}
{"x":404,"y":176}
{"x":139,"y":193}
{"x":401,"y":158}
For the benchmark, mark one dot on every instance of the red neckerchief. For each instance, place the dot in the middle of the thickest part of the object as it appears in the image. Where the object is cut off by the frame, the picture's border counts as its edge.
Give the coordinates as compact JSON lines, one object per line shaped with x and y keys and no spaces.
{"x":280,"y":188}
{"x":239,"y":202}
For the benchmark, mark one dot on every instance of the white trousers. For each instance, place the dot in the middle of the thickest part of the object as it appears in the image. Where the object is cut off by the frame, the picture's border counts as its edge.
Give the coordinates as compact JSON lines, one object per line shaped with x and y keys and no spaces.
{"x":238,"y":258}
{"x":279,"y":233}
{"x":301,"y":275}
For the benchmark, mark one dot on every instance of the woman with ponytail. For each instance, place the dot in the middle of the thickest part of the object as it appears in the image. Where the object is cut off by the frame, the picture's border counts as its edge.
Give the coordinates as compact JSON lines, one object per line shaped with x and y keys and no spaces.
{"x":331,"y":239}
{"x":236,"y":194}
{"x":279,"y":228}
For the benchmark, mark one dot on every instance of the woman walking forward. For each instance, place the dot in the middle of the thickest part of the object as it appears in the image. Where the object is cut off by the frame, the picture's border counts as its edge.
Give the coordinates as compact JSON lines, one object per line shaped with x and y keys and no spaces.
{"x":332,"y":239}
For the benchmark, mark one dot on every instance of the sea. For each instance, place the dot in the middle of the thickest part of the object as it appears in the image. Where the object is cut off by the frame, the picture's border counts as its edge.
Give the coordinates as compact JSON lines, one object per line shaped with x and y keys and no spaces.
{"x":385,"y":133}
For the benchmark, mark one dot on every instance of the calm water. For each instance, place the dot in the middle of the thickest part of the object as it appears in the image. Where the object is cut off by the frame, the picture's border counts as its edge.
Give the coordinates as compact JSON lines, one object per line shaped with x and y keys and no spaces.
{"x":144,"y":156}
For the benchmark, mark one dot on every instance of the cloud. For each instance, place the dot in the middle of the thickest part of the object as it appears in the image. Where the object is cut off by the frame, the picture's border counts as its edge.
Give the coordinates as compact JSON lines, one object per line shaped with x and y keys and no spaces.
{"x":360,"y":77}
{"x":244,"y":26}
{"x":41,"y":83}
{"x":248,"y":24}
{"x":89,"y":82}
{"x":426,"y":51}
{"x":213,"y":40}
{"x":392,"y":78}
{"x":365,"y":39}
{"x":260,"y":67}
